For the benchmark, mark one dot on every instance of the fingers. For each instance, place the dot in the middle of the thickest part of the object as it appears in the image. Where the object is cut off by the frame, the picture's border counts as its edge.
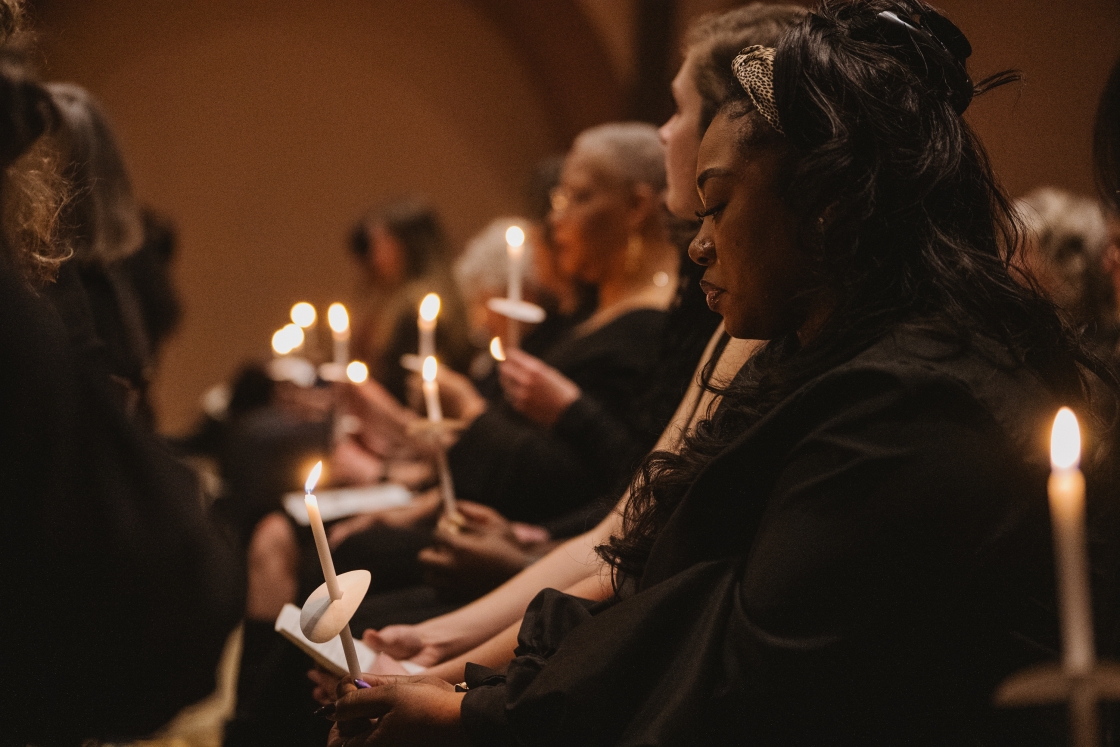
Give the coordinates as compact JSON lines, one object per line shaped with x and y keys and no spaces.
{"x":399,"y":641}
{"x":371,"y":702}
{"x":477,"y":512}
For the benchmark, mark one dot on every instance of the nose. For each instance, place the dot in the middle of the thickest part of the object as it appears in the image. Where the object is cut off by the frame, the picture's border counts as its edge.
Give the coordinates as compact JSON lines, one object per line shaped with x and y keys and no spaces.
{"x":663,"y":130}
{"x":702,"y":250}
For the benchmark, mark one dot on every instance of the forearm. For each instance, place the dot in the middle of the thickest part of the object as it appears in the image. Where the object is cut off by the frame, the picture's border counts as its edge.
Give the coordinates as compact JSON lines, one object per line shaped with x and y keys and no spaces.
{"x":498,"y":651}
{"x":568,"y":564}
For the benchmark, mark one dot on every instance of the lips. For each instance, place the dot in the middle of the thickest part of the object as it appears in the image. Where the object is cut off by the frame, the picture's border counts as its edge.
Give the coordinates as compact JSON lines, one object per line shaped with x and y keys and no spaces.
{"x":713,"y":293}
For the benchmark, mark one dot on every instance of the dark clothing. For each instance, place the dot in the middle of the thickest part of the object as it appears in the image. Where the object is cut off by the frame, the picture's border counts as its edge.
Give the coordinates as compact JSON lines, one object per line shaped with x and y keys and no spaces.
{"x":862,"y":566}
{"x":117,"y":590}
{"x":534,"y":474}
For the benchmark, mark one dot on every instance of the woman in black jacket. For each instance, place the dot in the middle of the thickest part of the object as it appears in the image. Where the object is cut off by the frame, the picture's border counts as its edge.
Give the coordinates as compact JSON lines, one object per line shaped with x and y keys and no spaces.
{"x":854,"y":549}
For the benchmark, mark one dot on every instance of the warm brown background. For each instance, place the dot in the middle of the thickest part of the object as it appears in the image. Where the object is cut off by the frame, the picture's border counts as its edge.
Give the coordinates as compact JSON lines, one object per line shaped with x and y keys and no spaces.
{"x":264,"y":127}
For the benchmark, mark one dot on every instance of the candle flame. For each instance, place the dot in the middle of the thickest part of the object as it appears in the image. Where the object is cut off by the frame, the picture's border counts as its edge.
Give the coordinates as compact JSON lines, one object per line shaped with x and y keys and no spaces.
{"x":429,"y":307}
{"x":430,"y":368}
{"x":280,"y":341}
{"x":496,"y":349}
{"x":294,"y":334}
{"x":357,"y":372}
{"x":515,"y":236}
{"x":313,"y":478}
{"x":303,"y":314}
{"x":1065,"y":440}
{"x":338,"y":318}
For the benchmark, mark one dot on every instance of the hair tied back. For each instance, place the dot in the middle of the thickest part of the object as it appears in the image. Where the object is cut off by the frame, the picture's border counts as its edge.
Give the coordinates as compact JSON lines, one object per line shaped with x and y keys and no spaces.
{"x":942,"y":35}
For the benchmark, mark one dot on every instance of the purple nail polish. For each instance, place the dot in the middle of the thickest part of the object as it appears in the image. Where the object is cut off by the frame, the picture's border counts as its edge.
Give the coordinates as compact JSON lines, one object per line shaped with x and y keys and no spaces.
{"x":362,"y":684}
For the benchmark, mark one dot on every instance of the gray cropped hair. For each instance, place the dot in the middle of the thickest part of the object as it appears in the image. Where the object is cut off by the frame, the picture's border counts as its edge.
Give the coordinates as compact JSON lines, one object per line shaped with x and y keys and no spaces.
{"x":483,"y":267}
{"x":1071,"y":237}
{"x":631,"y":151}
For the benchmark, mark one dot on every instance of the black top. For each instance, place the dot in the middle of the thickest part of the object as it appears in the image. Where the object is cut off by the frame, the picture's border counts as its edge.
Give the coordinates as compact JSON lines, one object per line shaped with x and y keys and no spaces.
{"x":862,"y":566}
{"x":118,"y":597}
{"x":532,"y":473}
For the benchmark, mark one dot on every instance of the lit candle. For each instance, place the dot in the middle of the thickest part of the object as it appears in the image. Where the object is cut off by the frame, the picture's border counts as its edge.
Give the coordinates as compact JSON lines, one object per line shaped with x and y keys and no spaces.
{"x":294,"y":338}
{"x":320,"y":534}
{"x":339,"y":322}
{"x":1067,"y":514}
{"x":280,"y":344}
{"x":357,"y":372}
{"x":426,"y":322}
{"x":515,"y":247}
{"x":496,"y":349}
{"x":304,"y":316}
{"x":435,"y":415}
{"x":431,"y":389}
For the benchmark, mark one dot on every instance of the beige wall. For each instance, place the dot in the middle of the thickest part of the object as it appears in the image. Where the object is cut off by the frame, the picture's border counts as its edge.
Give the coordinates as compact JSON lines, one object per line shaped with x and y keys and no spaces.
{"x":263,"y":127}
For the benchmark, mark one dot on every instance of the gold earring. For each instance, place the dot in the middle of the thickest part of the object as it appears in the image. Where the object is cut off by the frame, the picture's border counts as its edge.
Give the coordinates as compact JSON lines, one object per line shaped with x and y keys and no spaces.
{"x":634,"y":246}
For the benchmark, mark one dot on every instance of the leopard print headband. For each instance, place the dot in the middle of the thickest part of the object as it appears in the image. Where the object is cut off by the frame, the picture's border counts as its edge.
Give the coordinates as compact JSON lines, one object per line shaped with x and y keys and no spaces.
{"x":754,"y":67}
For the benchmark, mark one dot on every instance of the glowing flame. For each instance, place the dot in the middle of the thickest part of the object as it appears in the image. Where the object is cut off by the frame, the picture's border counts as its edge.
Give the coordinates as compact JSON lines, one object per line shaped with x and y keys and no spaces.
{"x":515,"y":236}
{"x":357,"y":372}
{"x":429,"y":307}
{"x":496,"y":349}
{"x":430,"y":368}
{"x":338,"y":318}
{"x":280,"y":341}
{"x":1065,"y":440}
{"x":303,"y":314}
{"x":313,"y":478}
{"x":295,"y":335}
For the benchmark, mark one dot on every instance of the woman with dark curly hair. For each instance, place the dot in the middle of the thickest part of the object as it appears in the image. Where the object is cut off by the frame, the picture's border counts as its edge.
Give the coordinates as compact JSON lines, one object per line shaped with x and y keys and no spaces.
{"x":854,"y":548}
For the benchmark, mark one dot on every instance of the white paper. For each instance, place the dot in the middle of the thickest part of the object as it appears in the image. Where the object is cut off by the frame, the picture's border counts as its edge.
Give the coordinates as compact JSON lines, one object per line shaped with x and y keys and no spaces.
{"x":329,"y":655}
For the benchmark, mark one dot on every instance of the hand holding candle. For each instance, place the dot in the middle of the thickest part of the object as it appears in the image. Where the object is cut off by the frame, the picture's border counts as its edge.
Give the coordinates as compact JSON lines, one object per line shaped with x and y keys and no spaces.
{"x":327,"y":563}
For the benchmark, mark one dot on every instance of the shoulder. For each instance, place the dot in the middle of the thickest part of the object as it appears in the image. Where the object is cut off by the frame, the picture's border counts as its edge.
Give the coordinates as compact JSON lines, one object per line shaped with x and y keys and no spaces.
{"x":910,"y":370}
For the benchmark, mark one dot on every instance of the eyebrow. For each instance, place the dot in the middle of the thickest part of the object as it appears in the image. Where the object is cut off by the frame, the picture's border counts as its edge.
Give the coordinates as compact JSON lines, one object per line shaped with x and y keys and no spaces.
{"x":707,"y":174}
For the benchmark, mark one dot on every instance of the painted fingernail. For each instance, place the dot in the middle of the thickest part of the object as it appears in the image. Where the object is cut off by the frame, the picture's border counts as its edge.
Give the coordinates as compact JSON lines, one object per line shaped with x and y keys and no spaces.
{"x":326,"y":711}
{"x":362,"y":684}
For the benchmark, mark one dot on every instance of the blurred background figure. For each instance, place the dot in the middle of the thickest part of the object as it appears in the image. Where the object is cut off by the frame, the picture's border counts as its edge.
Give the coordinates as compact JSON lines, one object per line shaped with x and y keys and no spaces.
{"x":122,"y":252}
{"x":402,"y":254}
{"x":1064,"y":248}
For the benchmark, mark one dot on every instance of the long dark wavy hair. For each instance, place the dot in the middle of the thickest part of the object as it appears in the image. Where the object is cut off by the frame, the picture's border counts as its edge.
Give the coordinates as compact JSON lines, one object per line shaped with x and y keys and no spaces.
{"x":901,"y":220}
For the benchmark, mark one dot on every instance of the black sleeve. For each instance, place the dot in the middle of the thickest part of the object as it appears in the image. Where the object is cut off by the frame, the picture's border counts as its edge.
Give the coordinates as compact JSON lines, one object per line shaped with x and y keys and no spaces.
{"x":895,"y":573}
{"x":523,"y":470}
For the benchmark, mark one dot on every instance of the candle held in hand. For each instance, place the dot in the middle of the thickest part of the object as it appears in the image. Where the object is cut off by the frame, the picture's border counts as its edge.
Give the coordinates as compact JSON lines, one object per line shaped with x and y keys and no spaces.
{"x":426,"y":323}
{"x":515,"y":247}
{"x":1066,"y":490}
{"x":327,"y":563}
{"x":431,"y":389}
{"x":339,"y":322}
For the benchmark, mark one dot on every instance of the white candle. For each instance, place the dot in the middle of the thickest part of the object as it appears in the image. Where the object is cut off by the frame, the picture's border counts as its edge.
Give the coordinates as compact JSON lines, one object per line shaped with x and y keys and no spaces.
{"x":426,"y":323}
{"x":324,"y":550}
{"x":515,"y":247}
{"x":1067,"y":513}
{"x":431,"y":389}
{"x":339,"y":322}
{"x":304,"y":316}
{"x":435,"y":415}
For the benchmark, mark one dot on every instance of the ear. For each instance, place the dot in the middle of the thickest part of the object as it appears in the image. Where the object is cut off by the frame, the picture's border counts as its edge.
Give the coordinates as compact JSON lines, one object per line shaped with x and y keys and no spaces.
{"x":645,"y":203}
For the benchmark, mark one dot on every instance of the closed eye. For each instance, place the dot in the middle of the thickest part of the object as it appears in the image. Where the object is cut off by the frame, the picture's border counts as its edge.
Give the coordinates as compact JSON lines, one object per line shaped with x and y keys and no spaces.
{"x":709,"y":212}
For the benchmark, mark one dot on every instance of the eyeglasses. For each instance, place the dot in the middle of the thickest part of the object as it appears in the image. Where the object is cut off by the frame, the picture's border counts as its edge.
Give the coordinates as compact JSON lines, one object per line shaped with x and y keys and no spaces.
{"x":562,"y":198}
